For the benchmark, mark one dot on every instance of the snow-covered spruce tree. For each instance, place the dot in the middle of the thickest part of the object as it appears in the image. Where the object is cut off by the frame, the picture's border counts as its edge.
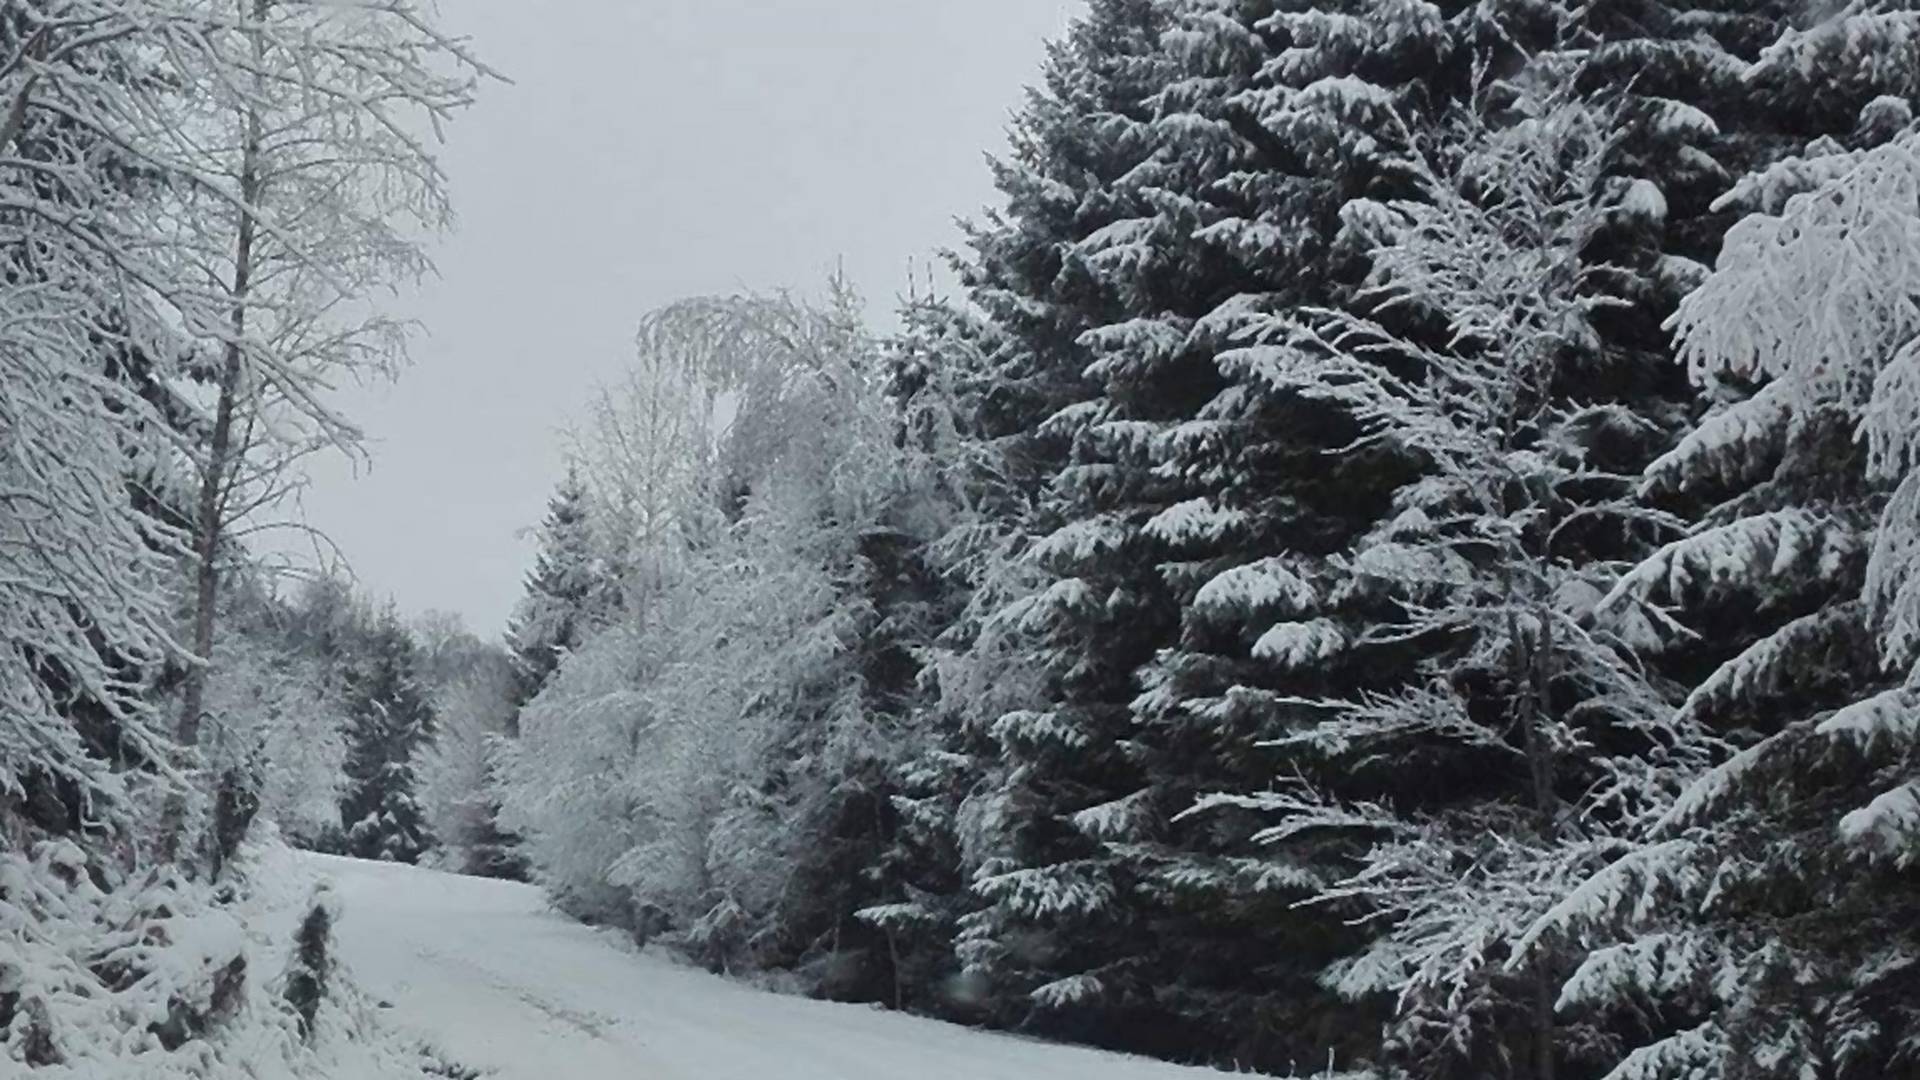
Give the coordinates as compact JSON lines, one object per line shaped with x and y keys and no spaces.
{"x":938,"y":375}
{"x":389,"y":721}
{"x":1148,"y":220}
{"x":886,"y":892}
{"x":1150,"y":216}
{"x":890,"y":601}
{"x":1764,"y":925}
{"x":1175,"y":186}
{"x":554,"y":615}
{"x":1056,"y":943}
{"x":1233,"y":219}
{"x":1247,"y":184}
{"x":1476,"y":359}
{"x":1300,"y":101}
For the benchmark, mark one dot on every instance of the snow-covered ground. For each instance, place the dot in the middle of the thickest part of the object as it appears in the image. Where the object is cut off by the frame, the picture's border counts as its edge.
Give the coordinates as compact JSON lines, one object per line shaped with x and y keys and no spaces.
{"x":486,"y":973}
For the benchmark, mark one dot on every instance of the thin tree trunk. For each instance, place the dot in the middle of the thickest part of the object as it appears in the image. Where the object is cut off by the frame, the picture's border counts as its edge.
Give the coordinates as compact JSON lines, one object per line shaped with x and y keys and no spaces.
{"x":207,"y":533}
{"x":1543,"y":1025}
{"x":209,"y":524}
{"x":899,"y":979}
{"x":1533,"y":672}
{"x":1539,"y":754}
{"x":1532,"y":677}
{"x":1540,"y":762}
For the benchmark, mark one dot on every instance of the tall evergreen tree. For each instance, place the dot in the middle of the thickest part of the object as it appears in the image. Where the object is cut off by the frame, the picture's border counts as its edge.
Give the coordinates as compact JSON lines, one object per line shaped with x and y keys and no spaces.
{"x":1191,"y":178}
{"x":1762,"y":925}
{"x":1350,"y":94}
{"x":554,"y":615}
{"x":1529,"y":726}
{"x":938,"y":377}
{"x":389,"y":721}
{"x":1054,"y":935}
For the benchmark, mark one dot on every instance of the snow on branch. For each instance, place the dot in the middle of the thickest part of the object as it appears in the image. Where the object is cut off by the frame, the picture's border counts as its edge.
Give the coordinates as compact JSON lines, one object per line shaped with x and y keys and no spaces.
{"x":1764,"y":556}
{"x":1654,"y":966}
{"x":1374,"y":721}
{"x":1299,"y":809}
{"x":1291,"y":646}
{"x":1697,"y":1051}
{"x":1072,"y":888}
{"x":1195,"y":521}
{"x":1776,"y":663}
{"x":1628,"y":891}
{"x":1714,"y":789}
{"x":1083,"y":541}
{"x":1278,"y":583}
{"x":1888,"y":826}
{"x":1822,"y":294}
{"x":1887,"y":720}
{"x":1730,"y":445}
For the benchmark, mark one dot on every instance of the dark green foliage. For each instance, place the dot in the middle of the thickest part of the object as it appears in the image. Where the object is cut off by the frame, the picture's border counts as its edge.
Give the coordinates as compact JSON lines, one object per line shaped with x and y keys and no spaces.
{"x":389,"y":721}
{"x":495,"y":852}
{"x":553,"y":617}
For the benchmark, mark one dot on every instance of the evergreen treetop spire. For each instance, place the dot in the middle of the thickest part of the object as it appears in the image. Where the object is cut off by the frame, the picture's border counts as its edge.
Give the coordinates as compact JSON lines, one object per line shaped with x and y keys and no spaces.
{"x":555,"y":613}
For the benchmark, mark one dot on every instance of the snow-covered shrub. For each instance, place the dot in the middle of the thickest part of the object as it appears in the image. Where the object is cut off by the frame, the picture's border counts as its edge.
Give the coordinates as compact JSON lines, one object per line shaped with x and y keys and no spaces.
{"x":106,"y":974}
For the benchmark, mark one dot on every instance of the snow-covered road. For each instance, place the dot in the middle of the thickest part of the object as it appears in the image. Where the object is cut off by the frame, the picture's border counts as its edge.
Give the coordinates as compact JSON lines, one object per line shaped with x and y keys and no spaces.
{"x":483,"y":971}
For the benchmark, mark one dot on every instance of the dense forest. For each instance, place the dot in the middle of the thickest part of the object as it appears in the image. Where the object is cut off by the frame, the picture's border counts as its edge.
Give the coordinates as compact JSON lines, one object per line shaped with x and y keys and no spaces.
{"x":1398,"y":555}
{"x":1398,"y":550}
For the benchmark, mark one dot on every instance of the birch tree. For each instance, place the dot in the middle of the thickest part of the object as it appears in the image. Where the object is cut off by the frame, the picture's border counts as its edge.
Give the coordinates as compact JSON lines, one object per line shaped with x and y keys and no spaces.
{"x":230,"y":235}
{"x":646,"y":446}
{"x":315,"y":184}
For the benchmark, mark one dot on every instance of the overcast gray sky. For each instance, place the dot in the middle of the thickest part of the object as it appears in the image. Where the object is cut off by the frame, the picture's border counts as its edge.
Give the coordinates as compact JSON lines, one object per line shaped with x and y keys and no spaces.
{"x":650,"y":150}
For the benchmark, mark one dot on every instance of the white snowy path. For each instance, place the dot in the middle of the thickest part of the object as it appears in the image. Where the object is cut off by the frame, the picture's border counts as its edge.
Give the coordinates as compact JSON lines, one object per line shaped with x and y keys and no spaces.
{"x":484,"y":972}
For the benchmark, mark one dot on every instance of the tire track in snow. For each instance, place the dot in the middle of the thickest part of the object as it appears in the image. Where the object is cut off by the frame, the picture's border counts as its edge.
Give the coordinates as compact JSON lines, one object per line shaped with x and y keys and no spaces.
{"x":593,"y":1024}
